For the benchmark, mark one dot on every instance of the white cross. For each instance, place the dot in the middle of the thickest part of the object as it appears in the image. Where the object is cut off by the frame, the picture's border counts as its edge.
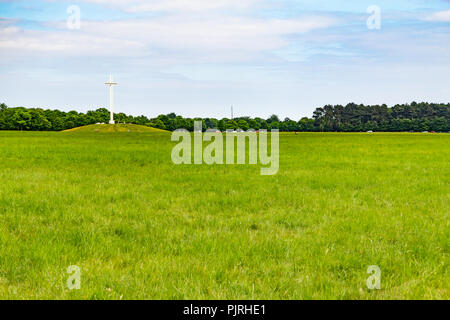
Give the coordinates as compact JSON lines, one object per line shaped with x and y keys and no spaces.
{"x":111,"y":98}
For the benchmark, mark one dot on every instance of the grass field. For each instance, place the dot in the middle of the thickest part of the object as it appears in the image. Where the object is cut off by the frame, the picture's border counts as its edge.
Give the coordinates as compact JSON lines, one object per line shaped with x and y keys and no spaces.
{"x":140,"y":227}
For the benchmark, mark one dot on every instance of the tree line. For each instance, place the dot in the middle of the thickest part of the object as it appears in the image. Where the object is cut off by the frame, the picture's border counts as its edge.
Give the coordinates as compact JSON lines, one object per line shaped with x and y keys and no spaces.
{"x":349,"y":118}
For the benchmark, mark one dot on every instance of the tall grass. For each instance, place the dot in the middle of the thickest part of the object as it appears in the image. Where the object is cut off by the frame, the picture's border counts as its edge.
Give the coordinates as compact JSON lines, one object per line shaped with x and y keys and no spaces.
{"x":140,"y":227}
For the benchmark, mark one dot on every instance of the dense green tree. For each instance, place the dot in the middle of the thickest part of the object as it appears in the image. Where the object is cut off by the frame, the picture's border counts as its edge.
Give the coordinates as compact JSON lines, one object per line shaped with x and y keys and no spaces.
{"x":232,"y":125}
{"x":253,"y":124}
{"x":222,"y":125}
{"x":349,"y":118}
{"x":38,"y":120}
{"x":306,"y":124}
{"x":274,"y":125}
{"x":273,"y":118}
{"x":211,"y":123}
{"x":158,"y":124}
{"x":21,"y":119}
{"x":242,"y":124}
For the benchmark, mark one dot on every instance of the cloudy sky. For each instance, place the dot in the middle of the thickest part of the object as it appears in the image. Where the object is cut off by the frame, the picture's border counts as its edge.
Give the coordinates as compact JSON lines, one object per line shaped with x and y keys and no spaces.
{"x":199,"y":57}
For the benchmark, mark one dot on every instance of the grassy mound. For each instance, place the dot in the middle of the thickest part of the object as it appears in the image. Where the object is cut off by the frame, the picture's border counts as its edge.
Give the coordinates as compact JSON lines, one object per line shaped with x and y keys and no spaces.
{"x":114,"y":128}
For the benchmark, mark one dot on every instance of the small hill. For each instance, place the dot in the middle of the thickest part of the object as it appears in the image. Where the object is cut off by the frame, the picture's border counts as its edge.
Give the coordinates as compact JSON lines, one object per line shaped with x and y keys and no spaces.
{"x":114,"y":128}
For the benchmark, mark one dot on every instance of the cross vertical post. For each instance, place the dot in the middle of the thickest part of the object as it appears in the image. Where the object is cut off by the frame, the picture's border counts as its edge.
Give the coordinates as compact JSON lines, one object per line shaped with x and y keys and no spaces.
{"x":111,"y":98}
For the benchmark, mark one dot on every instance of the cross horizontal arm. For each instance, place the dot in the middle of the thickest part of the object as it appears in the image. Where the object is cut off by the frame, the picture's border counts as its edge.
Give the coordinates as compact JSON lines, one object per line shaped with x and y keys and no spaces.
{"x":111,"y":83}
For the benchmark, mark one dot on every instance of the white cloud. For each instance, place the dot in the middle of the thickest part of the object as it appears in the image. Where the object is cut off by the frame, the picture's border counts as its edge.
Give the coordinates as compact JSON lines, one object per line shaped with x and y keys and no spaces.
{"x":215,"y":36}
{"x":175,"y":5}
{"x":185,"y":30}
{"x":189,"y":5}
{"x":441,"y":16}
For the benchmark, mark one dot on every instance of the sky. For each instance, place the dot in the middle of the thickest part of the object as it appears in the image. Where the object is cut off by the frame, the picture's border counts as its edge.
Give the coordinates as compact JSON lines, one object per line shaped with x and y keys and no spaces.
{"x":198,"y":58}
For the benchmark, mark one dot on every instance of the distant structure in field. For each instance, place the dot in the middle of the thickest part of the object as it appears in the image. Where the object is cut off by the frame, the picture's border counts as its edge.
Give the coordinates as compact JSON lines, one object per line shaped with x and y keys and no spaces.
{"x":232,"y":113}
{"x":111,"y":98}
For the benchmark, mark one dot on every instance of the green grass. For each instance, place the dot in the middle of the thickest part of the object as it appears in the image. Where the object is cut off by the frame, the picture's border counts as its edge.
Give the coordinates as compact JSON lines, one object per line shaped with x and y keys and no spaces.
{"x":140,"y":227}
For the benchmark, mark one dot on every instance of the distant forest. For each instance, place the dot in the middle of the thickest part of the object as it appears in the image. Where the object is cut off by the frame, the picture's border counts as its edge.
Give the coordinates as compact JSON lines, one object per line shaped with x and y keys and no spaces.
{"x":350,"y":118}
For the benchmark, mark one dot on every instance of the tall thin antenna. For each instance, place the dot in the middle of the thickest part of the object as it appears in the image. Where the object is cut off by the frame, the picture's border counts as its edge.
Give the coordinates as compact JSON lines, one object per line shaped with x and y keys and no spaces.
{"x":231,"y":112}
